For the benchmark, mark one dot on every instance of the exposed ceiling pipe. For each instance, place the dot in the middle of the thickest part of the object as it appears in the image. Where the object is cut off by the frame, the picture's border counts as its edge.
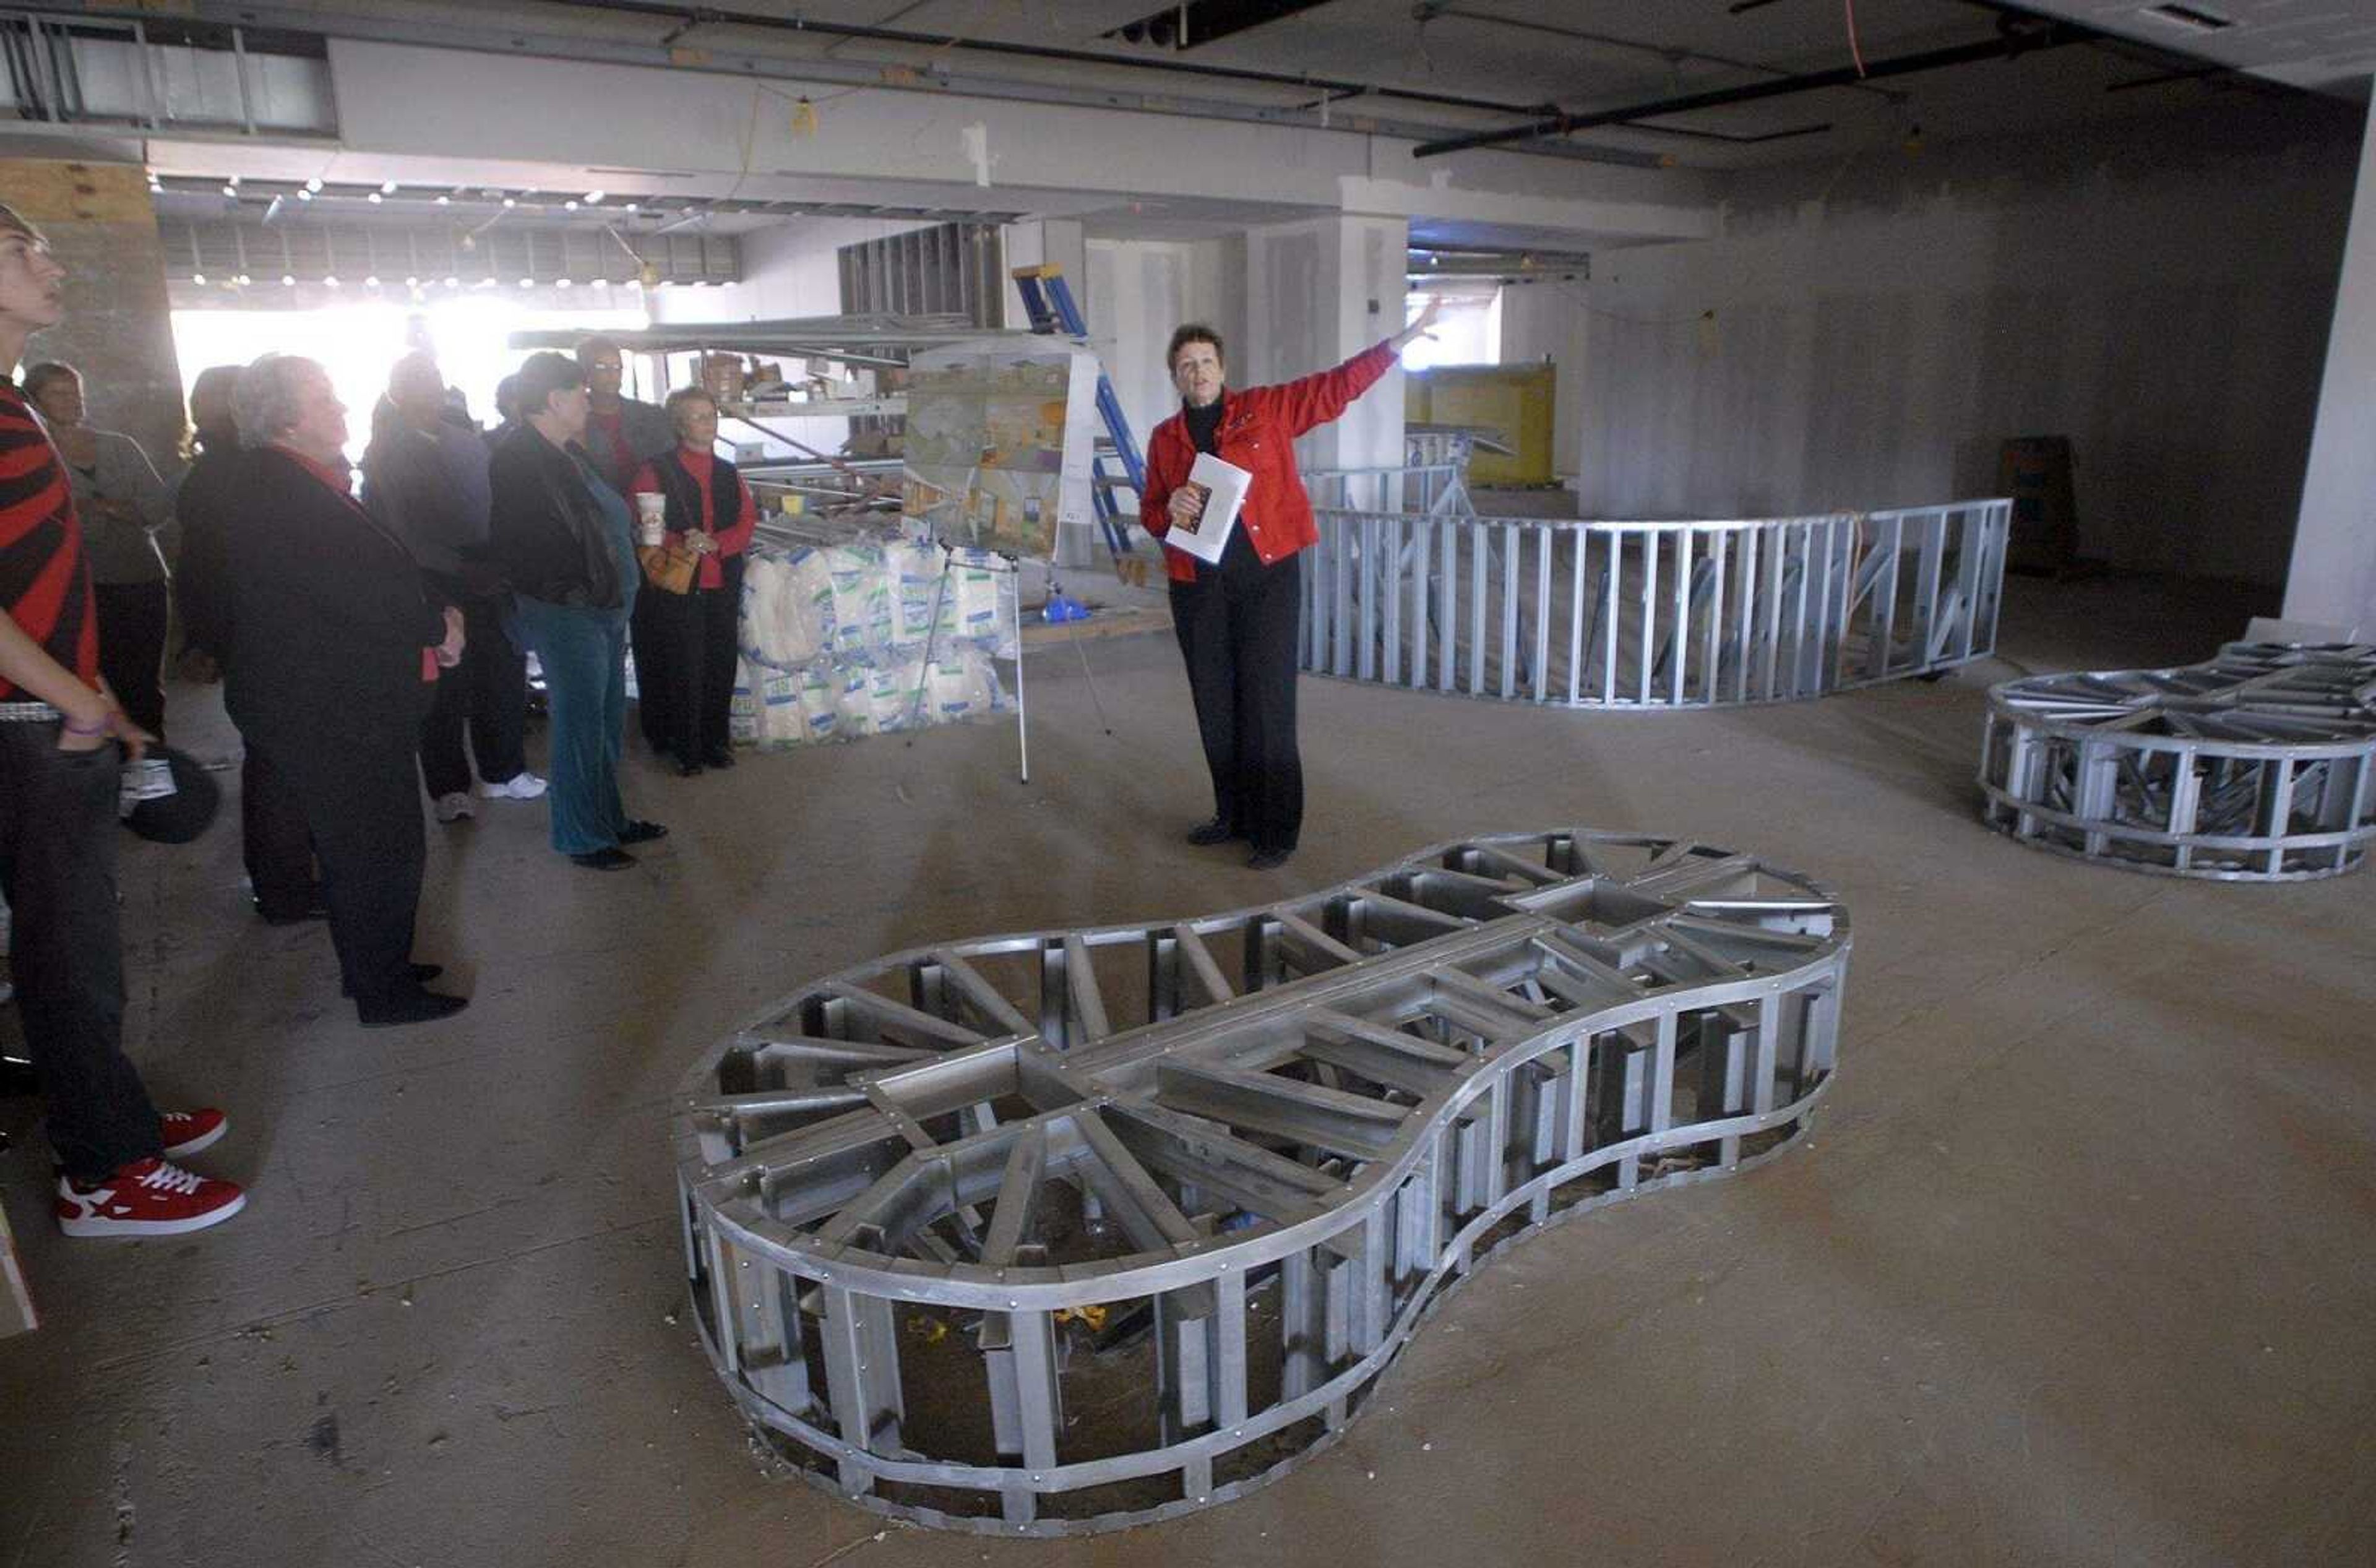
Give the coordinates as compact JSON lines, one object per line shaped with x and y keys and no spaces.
{"x":2012,"y":44}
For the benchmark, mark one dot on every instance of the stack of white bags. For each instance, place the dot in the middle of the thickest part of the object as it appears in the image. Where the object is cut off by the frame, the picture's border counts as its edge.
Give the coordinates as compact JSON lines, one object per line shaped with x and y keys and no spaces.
{"x":834,"y":640}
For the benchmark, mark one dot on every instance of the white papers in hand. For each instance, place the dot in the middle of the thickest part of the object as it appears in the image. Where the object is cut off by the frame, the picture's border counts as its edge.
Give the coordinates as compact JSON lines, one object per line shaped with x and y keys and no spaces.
{"x":1220,"y":489}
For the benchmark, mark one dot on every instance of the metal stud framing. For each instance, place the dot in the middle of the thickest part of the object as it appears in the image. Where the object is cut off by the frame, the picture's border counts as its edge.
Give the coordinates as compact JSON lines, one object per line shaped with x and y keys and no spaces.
{"x":1653,"y":616}
{"x":2258,"y":765}
{"x":1050,"y":1233}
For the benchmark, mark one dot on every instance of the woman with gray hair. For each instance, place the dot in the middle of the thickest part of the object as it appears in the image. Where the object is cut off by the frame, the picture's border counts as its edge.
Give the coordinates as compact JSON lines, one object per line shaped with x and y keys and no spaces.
{"x":128,"y":532}
{"x":336,"y":646}
{"x":209,"y":503}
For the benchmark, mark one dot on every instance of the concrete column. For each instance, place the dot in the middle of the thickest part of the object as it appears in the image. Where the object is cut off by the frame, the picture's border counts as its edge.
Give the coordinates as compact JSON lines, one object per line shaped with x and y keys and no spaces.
{"x":1319,"y":291}
{"x":1059,"y":239}
{"x":118,"y":328}
{"x":2333,"y":575}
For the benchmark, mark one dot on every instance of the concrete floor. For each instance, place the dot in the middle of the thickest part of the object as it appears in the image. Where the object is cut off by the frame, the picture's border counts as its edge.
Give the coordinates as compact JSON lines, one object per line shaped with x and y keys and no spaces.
{"x":2074,"y":1267}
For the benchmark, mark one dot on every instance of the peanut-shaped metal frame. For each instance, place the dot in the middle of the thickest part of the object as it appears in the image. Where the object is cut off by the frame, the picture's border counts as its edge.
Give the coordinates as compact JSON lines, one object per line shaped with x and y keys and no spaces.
{"x":1270,"y":1138}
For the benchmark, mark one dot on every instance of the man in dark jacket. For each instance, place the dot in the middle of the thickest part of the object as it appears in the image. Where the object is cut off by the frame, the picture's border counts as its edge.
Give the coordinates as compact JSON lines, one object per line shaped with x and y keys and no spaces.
{"x":274,"y":843}
{"x":336,"y":646}
{"x":621,"y":435}
{"x":425,"y":480}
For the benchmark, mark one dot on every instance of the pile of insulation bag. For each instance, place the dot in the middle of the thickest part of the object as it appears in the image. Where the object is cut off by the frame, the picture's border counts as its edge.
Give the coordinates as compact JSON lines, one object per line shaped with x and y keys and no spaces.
{"x":869,"y":638}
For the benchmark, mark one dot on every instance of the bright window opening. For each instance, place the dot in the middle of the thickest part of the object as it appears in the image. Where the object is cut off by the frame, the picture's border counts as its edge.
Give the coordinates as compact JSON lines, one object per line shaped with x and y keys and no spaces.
{"x":470,"y":335}
{"x":1467,"y":332}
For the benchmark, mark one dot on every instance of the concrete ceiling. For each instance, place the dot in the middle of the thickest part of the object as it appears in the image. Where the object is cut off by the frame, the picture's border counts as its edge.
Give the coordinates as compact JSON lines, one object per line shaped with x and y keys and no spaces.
{"x":2327,"y":45}
{"x":1454,"y":67}
{"x":1518,"y":56}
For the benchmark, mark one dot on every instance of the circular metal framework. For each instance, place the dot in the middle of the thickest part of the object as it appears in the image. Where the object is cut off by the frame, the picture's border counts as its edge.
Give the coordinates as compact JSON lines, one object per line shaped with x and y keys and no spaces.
{"x":1055,"y":1232}
{"x":2258,"y":765}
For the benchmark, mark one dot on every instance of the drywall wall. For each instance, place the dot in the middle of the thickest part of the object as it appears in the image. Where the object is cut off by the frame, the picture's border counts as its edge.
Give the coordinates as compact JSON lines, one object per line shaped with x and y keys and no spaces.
{"x":1541,"y":321}
{"x":790,"y":269}
{"x":1866,"y":333}
{"x":1139,"y":291}
{"x":1318,"y":292}
{"x":2333,"y":576}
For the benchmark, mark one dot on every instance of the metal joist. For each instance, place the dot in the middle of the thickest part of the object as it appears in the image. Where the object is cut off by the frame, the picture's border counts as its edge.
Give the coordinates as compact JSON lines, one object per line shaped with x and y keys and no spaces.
{"x":2258,"y":765}
{"x":1645,"y":615}
{"x":1050,"y":1233}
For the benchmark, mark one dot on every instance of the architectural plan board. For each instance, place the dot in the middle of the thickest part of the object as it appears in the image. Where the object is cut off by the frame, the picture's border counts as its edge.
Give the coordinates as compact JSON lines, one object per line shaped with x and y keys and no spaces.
{"x":1000,"y":437}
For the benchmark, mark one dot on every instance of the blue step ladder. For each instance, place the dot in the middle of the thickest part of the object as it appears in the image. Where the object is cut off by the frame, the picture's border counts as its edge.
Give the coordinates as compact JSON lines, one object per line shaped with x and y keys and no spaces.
{"x":1048,"y":301}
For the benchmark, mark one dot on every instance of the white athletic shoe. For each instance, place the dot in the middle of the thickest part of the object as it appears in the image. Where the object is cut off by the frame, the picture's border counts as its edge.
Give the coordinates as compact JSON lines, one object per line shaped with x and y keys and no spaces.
{"x":454,"y":806}
{"x":519,"y":787}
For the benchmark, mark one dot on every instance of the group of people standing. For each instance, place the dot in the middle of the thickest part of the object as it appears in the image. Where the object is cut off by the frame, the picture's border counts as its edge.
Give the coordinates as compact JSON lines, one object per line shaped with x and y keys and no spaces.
{"x":361,"y":638}
{"x":359,"y":634}
{"x":368,"y":642}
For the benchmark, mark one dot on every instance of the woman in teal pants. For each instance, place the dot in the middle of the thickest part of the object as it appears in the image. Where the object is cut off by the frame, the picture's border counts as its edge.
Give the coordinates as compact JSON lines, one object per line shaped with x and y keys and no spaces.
{"x":568,"y":549}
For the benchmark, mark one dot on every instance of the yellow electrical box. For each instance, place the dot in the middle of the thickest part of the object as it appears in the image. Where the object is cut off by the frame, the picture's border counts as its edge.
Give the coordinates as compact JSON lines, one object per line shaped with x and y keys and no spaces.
{"x":1513,"y":401}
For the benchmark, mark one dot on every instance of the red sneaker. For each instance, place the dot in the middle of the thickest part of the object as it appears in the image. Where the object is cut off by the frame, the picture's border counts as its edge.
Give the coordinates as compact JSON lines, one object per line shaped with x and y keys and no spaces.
{"x":148,"y":1197}
{"x":186,"y":1132}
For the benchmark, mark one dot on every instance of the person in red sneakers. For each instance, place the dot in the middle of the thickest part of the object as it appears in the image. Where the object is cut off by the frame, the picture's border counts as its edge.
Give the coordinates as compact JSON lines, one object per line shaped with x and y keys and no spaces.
{"x":63,"y":739}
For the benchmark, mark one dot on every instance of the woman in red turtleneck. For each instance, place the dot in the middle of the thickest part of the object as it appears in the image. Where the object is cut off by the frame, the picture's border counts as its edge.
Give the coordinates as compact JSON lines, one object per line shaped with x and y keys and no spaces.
{"x":691,"y":682}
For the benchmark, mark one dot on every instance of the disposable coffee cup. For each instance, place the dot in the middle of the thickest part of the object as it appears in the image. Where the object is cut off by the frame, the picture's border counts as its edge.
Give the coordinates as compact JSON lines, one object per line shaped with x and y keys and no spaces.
{"x":652,"y":512}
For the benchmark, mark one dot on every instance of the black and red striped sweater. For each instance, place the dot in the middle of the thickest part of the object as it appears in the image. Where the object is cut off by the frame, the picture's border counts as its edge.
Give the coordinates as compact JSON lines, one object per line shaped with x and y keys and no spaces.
{"x":44,"y":581}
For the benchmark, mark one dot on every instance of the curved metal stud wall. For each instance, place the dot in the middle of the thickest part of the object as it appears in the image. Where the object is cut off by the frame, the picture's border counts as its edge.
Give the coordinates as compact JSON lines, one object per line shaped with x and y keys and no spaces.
{"x":2258,"y":765}
{"x":1653,"y":616}
{"x":1056,"y":1233}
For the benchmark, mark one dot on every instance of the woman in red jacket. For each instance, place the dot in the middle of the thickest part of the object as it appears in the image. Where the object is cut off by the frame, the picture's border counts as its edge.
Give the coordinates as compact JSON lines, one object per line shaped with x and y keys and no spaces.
{"x":688,"y":685}
{"x":1235,"y":618}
